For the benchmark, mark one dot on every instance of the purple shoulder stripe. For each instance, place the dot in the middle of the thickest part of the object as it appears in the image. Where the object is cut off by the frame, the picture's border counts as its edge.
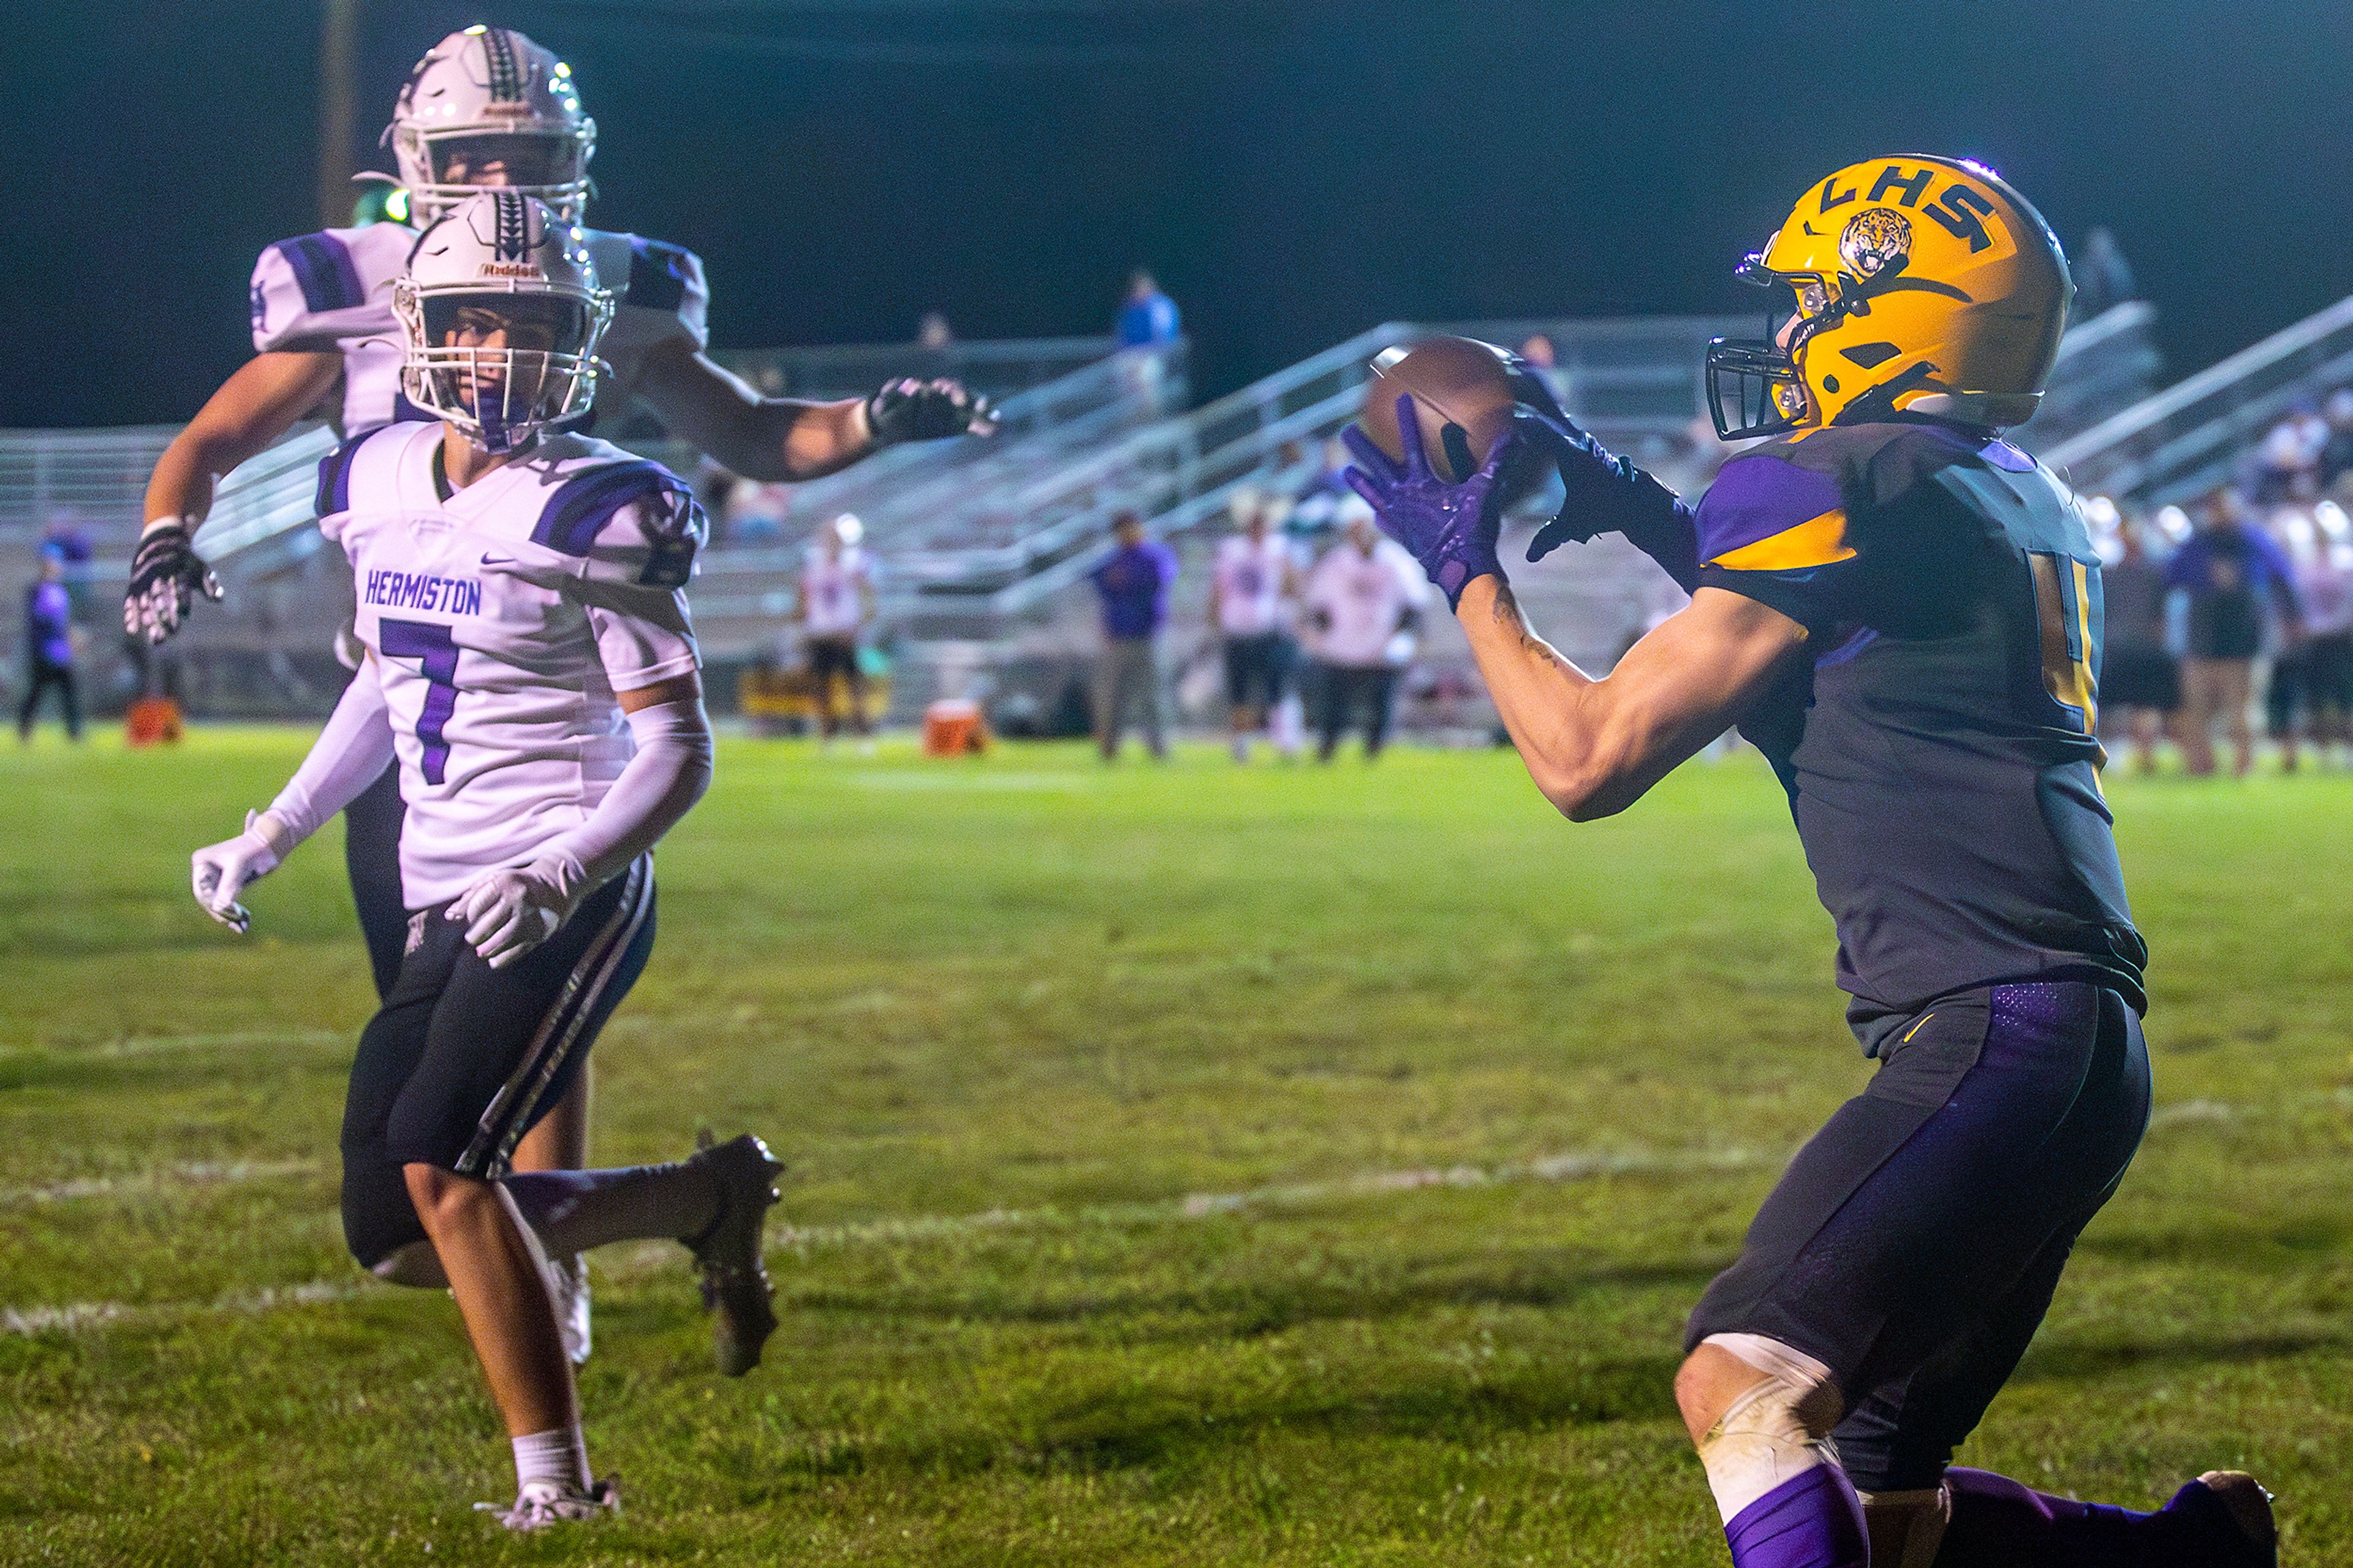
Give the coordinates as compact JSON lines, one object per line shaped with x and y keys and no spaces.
{"x":335,"y":476}
{"x":584,"y":504}
{"x":2006,"y":458}
{"x":1756,"y":497}
{"x":323,"y":270}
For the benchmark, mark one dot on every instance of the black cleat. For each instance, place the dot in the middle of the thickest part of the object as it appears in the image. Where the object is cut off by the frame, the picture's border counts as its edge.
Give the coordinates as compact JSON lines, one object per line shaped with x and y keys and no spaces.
{"x":727,"y":1253}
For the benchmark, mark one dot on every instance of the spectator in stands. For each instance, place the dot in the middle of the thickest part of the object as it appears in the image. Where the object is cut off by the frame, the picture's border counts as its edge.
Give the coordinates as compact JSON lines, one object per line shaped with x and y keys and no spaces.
{"x":1254,"y":574}
{"x":1545,"y":360}
{"x":1132,"y":585}
{"x":934,"y":333}
{"x":49,"y":638}
{"x":2104,"y":280}
{"x":1147,"y":318}
{"x":2224,"y":578}
{"x":1363,"y":600}
{"x":1146,"y":327}
{"x":2140,"y":678}
{"x":2336,"y":457}
{"x":836,"y":606}
{"x":1318,"y":504}
{"x":756,"y":511}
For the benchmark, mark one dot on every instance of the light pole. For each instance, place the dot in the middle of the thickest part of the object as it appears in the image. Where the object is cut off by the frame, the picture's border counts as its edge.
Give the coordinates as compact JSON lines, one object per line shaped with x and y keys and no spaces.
{"x":338,"y":28}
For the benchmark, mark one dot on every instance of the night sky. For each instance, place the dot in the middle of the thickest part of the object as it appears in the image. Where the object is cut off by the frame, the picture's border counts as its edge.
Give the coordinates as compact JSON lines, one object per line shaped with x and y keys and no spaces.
{"x":1293,"y":172}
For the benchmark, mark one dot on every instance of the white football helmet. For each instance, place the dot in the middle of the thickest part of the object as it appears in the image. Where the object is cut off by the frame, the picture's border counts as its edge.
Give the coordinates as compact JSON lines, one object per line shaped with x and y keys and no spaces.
{"x":499,"y":319}
{"x":486,"y":97}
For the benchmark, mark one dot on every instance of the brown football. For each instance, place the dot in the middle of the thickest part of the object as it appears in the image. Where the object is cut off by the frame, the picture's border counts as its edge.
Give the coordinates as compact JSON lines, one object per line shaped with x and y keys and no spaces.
{"x":1454,"y":381}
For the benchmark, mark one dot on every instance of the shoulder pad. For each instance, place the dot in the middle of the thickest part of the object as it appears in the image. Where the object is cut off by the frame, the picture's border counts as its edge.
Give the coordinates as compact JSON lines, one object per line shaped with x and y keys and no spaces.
{"x":1761,"y":496}
{"x":336,"y":475}
{"x":576,"y":514}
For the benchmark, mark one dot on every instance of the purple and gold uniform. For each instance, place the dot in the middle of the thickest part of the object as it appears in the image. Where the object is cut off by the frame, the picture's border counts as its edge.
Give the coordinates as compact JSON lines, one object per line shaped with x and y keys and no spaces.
{"x":1938,"y":754}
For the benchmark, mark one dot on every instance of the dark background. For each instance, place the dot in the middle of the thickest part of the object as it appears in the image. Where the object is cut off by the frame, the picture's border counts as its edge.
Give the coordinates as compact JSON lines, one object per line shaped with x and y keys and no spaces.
{"x":1294,"y":172}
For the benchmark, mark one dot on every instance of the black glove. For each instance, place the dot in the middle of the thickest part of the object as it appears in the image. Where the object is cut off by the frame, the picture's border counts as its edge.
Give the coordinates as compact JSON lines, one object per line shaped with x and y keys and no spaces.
{"x":165,"y":577}
{"x":912,"y":410}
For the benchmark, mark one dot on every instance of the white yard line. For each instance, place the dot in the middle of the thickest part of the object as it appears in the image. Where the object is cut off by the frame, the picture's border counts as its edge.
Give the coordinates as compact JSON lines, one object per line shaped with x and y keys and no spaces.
{"x":204,"y":1172}
{"x":650,"y":1256}
{"x":151,"y":1045}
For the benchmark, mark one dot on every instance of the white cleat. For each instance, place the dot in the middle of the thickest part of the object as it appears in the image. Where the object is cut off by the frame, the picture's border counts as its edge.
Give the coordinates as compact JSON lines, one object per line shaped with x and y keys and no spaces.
{"x":540,"y":1510}
{"x":568,"y":1282}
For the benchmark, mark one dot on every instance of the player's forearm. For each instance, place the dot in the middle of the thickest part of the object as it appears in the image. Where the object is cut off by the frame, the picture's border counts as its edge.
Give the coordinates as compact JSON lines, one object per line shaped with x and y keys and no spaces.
{"x":1547,"y":703}
{"x":253,"y":408}
{"x":350,"y":754}
{"x":660,"y":786}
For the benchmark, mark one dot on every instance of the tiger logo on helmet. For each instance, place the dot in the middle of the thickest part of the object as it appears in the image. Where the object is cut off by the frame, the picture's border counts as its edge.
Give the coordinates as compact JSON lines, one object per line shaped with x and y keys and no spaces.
{"x":1873,"y":238}
{"x":1921,"y":285}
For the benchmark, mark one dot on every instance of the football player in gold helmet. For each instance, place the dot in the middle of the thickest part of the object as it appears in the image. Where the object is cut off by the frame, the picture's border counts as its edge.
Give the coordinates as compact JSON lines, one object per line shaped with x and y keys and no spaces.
{"x":1902,"y":610}
{"x":1921,"y":286}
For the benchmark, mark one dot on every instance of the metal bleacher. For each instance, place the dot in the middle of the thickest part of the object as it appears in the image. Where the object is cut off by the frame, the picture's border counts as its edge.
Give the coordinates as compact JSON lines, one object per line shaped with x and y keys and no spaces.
{"x":2172,"y":445}
{"x":985,"y":544}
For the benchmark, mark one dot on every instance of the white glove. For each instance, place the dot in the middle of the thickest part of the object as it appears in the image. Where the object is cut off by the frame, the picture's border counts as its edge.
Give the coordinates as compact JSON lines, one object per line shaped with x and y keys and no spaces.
{"x":512,"y":910}
{"x":219,"y":872}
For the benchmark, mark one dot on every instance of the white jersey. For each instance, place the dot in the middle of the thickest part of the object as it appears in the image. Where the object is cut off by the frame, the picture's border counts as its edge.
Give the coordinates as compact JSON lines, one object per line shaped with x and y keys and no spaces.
{"x":500,"y":621}
{"x":1364,"y":598}
{"x":833,"y":602}
{"x":1250,"y":576}
{"x":333,"y":289}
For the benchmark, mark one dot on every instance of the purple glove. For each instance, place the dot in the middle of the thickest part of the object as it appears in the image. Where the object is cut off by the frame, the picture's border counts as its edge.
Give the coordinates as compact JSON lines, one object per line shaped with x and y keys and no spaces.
{"x":1451,"y":529}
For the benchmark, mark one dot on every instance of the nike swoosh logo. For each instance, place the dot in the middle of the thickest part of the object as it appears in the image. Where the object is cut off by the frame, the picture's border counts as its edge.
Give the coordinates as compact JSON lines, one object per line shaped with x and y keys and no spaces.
{"x":498,"y":560}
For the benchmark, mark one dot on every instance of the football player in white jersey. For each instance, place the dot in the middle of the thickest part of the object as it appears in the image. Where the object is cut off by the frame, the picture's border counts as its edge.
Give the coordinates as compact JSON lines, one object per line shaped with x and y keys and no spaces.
{"x":485,"y":109}
{"x":530,"y":667}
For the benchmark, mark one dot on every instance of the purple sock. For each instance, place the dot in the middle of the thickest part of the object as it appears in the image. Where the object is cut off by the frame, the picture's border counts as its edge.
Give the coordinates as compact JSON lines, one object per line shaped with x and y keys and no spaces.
{"x":1814,"y":1521}
{"x":2000,"y":1523}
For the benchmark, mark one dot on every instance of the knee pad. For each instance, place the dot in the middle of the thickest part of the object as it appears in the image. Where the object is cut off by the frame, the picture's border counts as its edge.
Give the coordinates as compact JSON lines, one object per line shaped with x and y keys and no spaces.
{"x":1775,"y":1432}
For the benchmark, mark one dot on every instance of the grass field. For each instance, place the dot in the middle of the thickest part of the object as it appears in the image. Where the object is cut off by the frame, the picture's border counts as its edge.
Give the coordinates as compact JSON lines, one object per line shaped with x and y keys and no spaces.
{"x":1188,"y":1166}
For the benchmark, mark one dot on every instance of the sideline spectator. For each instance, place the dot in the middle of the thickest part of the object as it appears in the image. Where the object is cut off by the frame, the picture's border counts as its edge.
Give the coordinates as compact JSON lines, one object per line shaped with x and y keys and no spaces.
{"x":50,"y":639}
{"x":1254,"y":574}
{"x":2326,"y":587}
{"x":1363,"y":599}
{"x":1133,"y":586}
{"x":836,"y":606}
{"x":2225,"y":575}
{"x":2140,"y":678}
{"x":934,"y":333}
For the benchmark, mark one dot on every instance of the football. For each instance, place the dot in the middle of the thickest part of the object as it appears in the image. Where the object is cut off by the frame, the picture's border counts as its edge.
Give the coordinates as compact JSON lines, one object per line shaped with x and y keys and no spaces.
{"x":1458,"y":382}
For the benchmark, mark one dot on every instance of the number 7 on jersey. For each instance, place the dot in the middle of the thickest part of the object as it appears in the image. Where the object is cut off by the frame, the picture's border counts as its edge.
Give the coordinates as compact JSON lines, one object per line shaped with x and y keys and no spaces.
{"x":437,"y":651}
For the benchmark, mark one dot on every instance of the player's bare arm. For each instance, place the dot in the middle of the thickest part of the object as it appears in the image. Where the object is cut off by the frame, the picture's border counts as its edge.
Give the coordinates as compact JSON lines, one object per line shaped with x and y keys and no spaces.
{"x":1592,"y":746}
{"x":790,"y":439}
{"x":1595,"y":747}
{"x":253,"y":407}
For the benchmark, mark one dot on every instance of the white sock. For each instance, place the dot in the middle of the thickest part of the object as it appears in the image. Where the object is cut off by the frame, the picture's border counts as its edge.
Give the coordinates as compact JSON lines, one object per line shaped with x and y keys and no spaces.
{"x":552,"y":1464}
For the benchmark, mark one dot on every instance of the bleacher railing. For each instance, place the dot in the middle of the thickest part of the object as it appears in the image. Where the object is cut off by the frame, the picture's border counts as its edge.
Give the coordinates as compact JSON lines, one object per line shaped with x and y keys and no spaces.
{"x":1005,"y":551}
{"x":97,"y":478}
{"x":2190,"y":436}
{"x":998,"y":367}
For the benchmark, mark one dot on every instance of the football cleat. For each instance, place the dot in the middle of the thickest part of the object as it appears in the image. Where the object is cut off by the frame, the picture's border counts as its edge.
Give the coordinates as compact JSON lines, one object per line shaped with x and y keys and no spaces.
{"x":539,"y":1510}
{"x":568,"y":1282}
{"x":734,"y":1281}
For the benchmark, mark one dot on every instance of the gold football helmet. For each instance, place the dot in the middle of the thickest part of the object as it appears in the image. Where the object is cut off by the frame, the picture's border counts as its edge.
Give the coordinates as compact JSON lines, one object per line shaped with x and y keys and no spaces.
{"x":1922,"y":285}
